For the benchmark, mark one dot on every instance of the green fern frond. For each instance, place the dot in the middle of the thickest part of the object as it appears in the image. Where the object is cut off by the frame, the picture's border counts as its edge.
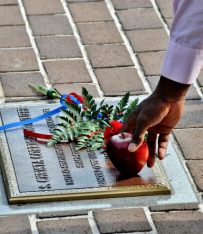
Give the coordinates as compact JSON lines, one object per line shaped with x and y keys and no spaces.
{"x":129,"y":110}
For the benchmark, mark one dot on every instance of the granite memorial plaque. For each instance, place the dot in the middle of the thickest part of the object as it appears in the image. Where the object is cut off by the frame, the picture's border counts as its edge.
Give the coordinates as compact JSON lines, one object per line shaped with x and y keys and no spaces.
{"x":34,"y":172}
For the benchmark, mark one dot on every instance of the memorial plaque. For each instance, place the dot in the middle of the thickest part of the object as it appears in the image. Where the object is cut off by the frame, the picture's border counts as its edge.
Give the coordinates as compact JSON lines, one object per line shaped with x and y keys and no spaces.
{"x":34,"y":172}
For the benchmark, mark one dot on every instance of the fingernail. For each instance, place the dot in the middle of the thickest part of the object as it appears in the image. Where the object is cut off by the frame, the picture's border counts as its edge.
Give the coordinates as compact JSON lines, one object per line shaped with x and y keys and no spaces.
{"x":132,"y":147}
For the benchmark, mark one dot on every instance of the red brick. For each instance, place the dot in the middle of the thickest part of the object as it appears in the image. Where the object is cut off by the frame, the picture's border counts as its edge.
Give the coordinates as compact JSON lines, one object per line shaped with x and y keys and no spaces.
{"x":190,"y":222}
{"x":119,"y":80}
{"x":111,"y":55}
{"x":18,"y":60}
{"x":89,"y":11}
{"x":99,"y":33}
{"x":148,"y":39}
{"x":18,"y":84}
{"x":58,"y":47}
{"x":14,"y":36}
{"x":151,"y":62}
{"x":43,"y":7}
{"x":50,"y":25}
{"x":121,"y":220}
{"x":10,"y":15}
{"x":139,"y":18}
{"x":67,"y":71}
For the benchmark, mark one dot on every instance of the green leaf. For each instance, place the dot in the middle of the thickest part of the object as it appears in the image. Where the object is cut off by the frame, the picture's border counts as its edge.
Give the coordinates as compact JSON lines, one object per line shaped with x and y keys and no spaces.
{"x":130,"y":109}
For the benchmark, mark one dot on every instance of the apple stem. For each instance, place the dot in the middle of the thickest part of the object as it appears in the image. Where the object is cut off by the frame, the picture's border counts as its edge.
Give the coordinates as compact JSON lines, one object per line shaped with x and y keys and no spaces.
{"x":123,"y":135}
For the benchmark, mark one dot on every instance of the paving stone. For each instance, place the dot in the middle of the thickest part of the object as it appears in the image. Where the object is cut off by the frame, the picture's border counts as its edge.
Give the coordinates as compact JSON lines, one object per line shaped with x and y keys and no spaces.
{"x":125,"y":4}
{"x":79,"y":225}
{"x":8,"y":2}
{"x":121,"y":220}
{"x":84,"y":0}
{"x":119,"y":80}
{"x":109,"y":55}
{"x":18,"y":84}
{"x":67,"y":71}
{"x":139,"y":18}
{"x":200,"y":78}
{"x":15,"y":224}
{"x":10,"y":15}
{"x":67,"y":88}
{"x":188,"y":222}
{"x":43,"y":7}
{"x":184,"y":137}
{"x":90,"y":11}
{"x":50,"y":25}
{"x":18,"y":60}
{"x":191,"y":95}
{"x":148,"y":39}
{"x":62,"y":214}
{"x":192,"y":117}
{"x":174,"y":207}
{"x":151,"y":62}
{"x":195,"y":168}
{"x":166,"y":8}
{"x":99,"y":33}
{"x":58,"y":47}
{"x":13,"y":36}
{"x":169,"y":21}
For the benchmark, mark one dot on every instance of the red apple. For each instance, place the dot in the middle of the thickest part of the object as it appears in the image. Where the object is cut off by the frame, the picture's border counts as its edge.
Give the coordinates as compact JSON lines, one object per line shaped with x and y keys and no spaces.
{"x":128,"y":163}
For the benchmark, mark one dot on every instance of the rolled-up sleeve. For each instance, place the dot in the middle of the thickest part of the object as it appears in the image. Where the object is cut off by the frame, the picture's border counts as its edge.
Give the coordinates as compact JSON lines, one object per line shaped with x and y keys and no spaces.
{"x":184,"y":56}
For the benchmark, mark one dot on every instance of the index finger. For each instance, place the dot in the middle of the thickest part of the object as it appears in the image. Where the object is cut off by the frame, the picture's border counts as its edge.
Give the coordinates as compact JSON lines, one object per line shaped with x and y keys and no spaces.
{"x":129,"y":125}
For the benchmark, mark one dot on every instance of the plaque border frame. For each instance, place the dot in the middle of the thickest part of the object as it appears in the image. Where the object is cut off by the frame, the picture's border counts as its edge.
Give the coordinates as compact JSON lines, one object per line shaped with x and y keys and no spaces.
{"x":162,"y":186}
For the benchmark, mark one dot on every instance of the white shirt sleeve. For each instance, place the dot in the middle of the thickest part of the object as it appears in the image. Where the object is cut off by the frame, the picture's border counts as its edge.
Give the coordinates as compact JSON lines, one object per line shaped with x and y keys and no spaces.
{"x":184,"y":56}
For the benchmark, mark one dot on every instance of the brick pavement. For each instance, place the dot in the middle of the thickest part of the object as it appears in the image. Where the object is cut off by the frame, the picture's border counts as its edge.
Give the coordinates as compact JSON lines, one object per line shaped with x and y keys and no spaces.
{"x":75,"y":43}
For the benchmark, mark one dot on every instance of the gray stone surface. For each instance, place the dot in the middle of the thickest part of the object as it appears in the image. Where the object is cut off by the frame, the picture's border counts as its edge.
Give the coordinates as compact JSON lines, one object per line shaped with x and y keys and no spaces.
{"x":200,"y":78}
{"x":90,"y":11}
{"x":125,"y":4}
{"x":121,"y":220}
{"x":192,"y":117}
{"x":140,"y":18}
{"x":184,"y":137}
{"x":195,"y":168}
{"x":66,"y":226}
{"x":18,"y":60}
{"x":67,"y":71}
{"x":43,"y":25}
{"x":151,"y":62}
{"x":10,"y":15}
{"x":43,"y":7}
{"x":14,"y":36}
{"x":71,"y":1}
{"x":188,"y":222}
{"x":174,"y":207}
{"x":61,"y":214}
{"x":58,"y":47}
{"x":77,"y":88}
{"x":148,"y":39}
{"x":111,"y":55}
{"x":119,"y":80}
{"x":169,"y":21}
{"x":18,"y":224}
{"x":192,"y":93}
{"x":8,"y":2}
{"x":99,"y":33}
{"x":166,"y":7}
{"x":17,"y":84}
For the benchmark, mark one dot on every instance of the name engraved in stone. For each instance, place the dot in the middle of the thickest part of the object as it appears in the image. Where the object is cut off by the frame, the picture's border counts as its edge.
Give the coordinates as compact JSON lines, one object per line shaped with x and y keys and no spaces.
{"x":60,"y":154}
{"x":34,"y":151}
{"x":97,"y":168}
{"x":77,"y":157}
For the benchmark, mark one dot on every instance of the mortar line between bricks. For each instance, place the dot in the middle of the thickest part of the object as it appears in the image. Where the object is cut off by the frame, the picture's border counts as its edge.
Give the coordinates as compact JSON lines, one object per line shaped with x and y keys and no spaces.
{"x":133,"y":56}
{"x":150,"y":220}
{"x":92,"y":223}
{"x":158,"y":12}
{"x":33,"y":43}
{"x":33,"y":223}
{"x":82,"y":47}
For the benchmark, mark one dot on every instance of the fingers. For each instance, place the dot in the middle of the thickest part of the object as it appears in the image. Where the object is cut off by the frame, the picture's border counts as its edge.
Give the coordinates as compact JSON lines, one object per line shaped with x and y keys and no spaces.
{"x":151,"y":142}
{"x":130,"y":123}
{"x":162,"y":145}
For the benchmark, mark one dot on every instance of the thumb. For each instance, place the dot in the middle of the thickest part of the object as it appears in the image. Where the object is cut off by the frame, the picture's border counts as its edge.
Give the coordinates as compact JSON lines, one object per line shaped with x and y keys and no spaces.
{"x":138,"y":137}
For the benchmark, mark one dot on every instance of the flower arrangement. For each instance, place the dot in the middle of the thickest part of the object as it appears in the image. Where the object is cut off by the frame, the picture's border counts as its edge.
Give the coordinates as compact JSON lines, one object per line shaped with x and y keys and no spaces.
{"x":85,"y":122}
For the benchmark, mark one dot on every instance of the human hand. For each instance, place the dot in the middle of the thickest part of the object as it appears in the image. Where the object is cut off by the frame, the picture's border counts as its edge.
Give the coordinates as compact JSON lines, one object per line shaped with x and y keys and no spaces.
{"x":158,"y":114}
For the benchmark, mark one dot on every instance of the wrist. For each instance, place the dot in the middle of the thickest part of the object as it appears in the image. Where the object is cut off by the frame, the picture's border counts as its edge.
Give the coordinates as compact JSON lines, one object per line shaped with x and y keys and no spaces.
{"x":170,"y":91}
